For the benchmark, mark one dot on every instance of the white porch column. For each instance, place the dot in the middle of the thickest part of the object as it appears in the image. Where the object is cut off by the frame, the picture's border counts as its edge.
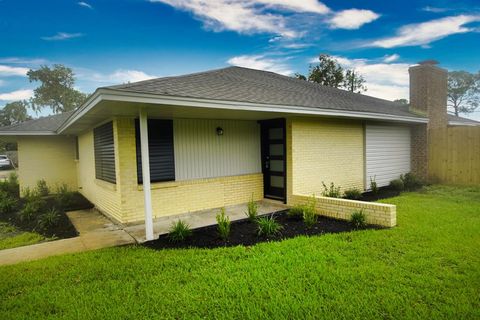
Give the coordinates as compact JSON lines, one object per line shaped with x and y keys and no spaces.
{"x":147,"y":193}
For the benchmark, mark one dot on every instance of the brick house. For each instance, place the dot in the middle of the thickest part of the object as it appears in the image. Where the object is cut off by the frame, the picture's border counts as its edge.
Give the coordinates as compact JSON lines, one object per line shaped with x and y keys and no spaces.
{"x":179,"y":144}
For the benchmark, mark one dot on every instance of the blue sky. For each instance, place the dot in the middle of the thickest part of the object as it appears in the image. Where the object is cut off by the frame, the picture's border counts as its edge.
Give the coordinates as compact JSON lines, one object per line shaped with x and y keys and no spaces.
{"x":110,"y":42}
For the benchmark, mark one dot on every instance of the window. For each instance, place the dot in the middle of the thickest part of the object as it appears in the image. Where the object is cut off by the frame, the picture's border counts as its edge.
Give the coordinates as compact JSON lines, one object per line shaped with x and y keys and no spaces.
{"x":160,"y":149}
{"x":104,"y":152}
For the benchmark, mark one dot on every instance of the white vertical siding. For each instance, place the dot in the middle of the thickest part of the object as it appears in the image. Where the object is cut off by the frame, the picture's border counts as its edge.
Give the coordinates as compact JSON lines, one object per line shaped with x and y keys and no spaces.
{"x":387,"y":153}
{"x":201,"y":153}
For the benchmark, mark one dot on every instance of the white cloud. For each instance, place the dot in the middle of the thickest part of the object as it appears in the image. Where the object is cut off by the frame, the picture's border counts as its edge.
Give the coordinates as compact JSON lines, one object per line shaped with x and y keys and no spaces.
{"x":62,"y":36}
{"x":116,"y":77}
{"x":391,"y":58}
{"x":12,"y":71}
{"x":261,"y":62}
{"x":427,"y":32}
{"x":2,"y":82}
{"x":352,"y":18}
{"x":84,"y":4}
{"x":18,"y":60}
{"x":16,"y":95}
{"x":435,"y":9}
{"x":296,"y":5}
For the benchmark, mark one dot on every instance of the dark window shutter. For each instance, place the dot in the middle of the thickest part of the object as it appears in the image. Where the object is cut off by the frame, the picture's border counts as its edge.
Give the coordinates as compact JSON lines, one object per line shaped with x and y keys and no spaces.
{"x":104,"y":151}
{"x":160,"y":149}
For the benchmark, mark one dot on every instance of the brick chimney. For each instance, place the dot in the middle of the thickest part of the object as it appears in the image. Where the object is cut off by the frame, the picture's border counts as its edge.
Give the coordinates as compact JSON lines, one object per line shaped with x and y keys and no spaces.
{"x":428,"y":92}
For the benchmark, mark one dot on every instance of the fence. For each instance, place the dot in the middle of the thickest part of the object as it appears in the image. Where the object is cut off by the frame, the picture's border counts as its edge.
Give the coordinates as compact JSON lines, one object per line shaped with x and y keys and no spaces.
{"x":454,"y":155}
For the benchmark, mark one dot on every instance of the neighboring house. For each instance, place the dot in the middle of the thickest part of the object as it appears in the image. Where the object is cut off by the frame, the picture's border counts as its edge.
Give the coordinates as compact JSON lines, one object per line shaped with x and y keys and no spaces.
{"x":225,"y":136}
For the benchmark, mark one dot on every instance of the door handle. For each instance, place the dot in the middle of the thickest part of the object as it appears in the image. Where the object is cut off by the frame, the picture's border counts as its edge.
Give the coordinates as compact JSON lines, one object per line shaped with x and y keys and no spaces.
{"x":267,"y":162}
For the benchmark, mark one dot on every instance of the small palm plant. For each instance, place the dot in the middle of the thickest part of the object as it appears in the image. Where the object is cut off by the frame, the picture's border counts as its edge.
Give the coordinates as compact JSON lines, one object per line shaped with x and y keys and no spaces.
{"x":179,"y":231}
{"x":267,"y":226}
{"x":358,"y":219}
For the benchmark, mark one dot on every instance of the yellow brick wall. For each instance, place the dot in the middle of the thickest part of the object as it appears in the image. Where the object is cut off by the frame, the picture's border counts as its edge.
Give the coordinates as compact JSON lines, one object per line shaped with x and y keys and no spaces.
{"x":48,"y":158}
{"x":322,"y":149}
{"x":376,"y":213}
{"x":170,"y":198}
{"x":104,"y":195}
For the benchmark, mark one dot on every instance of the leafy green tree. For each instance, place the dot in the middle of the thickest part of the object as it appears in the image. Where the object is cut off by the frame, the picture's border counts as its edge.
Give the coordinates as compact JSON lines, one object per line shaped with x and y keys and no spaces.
{"x":13,"y":113}
{"x":56,"y":90}
{"x":327,"y":72}
{"x":354,"y":82}
{"x":300,"y":76}
{"x":401,"y":101}
{"x":463,"y":91}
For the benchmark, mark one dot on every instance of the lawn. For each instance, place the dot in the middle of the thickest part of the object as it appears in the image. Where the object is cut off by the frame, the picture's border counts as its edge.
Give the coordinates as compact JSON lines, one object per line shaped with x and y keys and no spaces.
{"x":427,"y":267}
{"x":11,"y":237}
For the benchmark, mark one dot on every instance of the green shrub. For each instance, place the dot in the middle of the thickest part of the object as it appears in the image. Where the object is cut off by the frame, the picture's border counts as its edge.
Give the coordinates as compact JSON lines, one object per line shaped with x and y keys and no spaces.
{"x":267,"y":226}
{"x":7,"y":203}
{"x":296,"y":212}
{"x":30,"y":194}
{"x":42,"y":188}
{"x":353,"y":194}
{"x":49,"y":219}
{"x":223,"y":225}
{"x":179,"y":231}
{"x":31,"y":210}
{"x":358,"y":219}
{"x":411,"y":182}
{"x":310,"y":213}
{"x":252,"y":210}
{"x":373,"y":185}
{"x":332,"y":191}
{"x":10,"y":185}
{"x":63,"y":196}
{"x":397,"y":185}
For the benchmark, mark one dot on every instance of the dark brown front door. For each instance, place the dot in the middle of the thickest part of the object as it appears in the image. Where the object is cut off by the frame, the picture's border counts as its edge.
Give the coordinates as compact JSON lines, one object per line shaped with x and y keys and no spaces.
{"x":274,"y":159}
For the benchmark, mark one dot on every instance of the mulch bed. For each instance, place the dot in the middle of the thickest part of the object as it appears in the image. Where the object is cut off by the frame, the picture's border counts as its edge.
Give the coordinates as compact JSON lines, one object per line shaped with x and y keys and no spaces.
{"x":383,"y":193}
{"x":64,"y":228}
{"x":244,"y":232}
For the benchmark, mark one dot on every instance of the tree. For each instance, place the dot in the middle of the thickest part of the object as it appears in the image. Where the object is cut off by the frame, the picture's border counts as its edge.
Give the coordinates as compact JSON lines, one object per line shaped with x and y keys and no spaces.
{"x":354,"y":82}
{"x":401,"y":101}
{"x":13,"y":113}
{"x":327,"y":72}
{"x":56,"y":90}
{"x":463,"y":91}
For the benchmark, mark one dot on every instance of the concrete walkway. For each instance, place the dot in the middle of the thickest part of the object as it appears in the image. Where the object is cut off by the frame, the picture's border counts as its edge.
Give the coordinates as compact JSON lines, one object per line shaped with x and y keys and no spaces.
{"x":202,"y":218}
{"x":95,"y":231}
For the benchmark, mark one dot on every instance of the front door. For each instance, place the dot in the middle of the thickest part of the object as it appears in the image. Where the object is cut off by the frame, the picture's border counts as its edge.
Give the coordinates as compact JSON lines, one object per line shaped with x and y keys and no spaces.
{"x":274,"y":161}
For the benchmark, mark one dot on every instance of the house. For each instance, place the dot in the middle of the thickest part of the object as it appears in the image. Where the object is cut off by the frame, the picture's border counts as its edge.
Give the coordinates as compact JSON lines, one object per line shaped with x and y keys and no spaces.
{"x":223,"y":137}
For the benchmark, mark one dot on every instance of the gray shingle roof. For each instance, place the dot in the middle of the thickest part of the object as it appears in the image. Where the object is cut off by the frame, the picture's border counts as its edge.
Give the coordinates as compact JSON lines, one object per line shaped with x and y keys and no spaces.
{"x":453,"y":118}
{"x":44,"y":124}
{"x":255,"y":86}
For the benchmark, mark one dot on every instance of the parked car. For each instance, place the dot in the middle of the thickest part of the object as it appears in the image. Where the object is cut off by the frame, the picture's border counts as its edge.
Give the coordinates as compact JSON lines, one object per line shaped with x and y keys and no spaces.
{"x":5,"y":162}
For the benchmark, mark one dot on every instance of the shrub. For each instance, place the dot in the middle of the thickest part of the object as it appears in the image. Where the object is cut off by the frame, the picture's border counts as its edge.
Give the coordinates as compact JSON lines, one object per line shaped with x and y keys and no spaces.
{"x":373,"y":185}
{"x":310,"y":213}
{"x":358,"y":219}
{"x":397,"y":185}
{"x":411,"y":182}
{"x":42,"y":188}
{"x":63,"y":196}
{"x":223,"y":225}
{"x":296,"y":212}
{"x":267,"y":226}
{"x":31,"y":210}
{"x":49,"y":219}
{"x":252,"y":210}
{"x":179,"y":231}
{"x":30,"y":194}
{"x":353,"y":194}
{"x":10,"y":185}
{"x":7,"y":203}
{"x":332,"y":191}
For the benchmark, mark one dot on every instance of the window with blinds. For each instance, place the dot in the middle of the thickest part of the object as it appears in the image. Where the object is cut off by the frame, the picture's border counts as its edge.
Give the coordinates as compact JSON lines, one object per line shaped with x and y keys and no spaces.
{"x":104,"y":151}
{"x":160,"y":149}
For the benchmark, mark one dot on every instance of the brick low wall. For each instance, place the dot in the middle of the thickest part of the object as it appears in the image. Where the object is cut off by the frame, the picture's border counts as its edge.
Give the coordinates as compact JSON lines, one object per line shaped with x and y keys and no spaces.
{"x":376,"y":213}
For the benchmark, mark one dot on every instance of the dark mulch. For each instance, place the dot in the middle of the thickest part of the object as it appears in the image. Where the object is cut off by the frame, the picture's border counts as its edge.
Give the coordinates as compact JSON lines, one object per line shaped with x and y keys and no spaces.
{"x":63,"y":229}
{"x":383,"y":193}
{"x":244,"y":232}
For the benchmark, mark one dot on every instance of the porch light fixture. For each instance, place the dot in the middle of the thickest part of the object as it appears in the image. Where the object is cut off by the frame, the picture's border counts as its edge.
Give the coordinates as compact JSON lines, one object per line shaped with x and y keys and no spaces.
{"x":219,"y":131}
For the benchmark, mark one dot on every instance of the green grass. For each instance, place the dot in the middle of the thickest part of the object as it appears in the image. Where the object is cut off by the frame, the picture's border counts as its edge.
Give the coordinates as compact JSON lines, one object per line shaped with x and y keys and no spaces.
{"x":427,"y":267}
{"x":11,"y":237}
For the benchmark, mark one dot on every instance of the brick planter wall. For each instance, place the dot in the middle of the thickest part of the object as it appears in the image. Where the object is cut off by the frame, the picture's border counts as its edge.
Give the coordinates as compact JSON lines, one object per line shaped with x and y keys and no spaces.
{"x":381,"y":214}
